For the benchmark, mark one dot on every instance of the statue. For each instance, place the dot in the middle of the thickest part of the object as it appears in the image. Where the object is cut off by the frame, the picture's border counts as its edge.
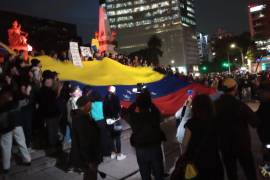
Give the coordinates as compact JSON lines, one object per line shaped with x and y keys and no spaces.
{"x":18,"y":39}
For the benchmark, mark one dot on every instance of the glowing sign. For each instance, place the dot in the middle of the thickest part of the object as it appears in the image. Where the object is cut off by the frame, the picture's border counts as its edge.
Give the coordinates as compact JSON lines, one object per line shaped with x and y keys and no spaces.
{"x":256,"y":8}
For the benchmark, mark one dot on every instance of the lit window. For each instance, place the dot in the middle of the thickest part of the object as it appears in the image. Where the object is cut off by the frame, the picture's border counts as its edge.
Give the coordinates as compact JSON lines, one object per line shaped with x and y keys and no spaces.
{"x":123,"y":11}
{"x":190,"y":15}
{"x":124,"y":18}
{"x":112,"y":20}
{"x":111,"y":13}
{"x":110,"y":6}
{"x":190,"y":9}
{"x":175,"y":8}
{"x":139,"y":2}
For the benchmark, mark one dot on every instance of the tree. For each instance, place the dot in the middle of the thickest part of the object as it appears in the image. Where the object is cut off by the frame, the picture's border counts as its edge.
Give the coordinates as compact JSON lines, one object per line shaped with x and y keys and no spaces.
{"x":222,"y":49}
{"x":153,"y":51}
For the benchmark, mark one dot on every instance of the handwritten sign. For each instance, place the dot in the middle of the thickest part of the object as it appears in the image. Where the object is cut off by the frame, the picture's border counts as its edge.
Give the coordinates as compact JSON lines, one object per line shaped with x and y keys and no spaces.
{"x":86,"y":51}
{"x":75,"y":54}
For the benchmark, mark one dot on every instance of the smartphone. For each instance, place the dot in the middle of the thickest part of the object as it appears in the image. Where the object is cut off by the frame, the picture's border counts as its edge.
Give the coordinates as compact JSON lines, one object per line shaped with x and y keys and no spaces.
{"x":190,"y":92}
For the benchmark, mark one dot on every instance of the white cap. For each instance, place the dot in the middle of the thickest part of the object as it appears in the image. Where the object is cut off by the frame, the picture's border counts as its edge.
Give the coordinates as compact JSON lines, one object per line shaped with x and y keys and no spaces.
{"x":112,"y":89}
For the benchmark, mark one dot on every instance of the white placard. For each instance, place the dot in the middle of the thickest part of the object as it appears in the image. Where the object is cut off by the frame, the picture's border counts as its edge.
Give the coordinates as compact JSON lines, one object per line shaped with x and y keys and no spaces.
{"x":75,"y":54}
{"x":86,"y":51}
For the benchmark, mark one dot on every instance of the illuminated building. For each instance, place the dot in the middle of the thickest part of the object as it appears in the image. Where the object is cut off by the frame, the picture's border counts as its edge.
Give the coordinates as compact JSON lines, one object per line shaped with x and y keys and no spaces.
{"x":203,"y":45}
{"x":259,"y":23}
{"x":135,"y":21}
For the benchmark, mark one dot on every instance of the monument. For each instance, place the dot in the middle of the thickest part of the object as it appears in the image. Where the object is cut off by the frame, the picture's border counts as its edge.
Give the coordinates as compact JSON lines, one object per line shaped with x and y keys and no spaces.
{"x":18,"y":39}
{"x":105,"y":36}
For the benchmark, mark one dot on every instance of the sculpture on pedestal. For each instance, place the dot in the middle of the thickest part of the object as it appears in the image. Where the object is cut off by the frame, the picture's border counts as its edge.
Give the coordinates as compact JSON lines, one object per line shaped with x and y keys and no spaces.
{"x":18,"y":39}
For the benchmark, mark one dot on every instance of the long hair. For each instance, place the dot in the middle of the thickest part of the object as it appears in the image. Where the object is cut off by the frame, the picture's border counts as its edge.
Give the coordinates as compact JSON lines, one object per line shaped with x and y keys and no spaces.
{"x":143,"y":100}
{"x":202,"y":107}
{"x":95,"y":96}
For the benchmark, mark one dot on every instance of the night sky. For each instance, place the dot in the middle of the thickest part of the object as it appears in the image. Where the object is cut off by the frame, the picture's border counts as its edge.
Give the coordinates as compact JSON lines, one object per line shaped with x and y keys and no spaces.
{"x":211,"y":14}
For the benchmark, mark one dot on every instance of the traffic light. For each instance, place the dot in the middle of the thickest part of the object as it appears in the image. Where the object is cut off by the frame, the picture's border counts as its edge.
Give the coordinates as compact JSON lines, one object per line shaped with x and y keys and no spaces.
{"x":204,"y":68}
{"x":225,"y":65}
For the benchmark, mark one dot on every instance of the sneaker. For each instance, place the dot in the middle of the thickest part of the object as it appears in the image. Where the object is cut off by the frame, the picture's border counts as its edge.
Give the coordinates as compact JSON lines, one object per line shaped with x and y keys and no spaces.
{"x":113,"y":156}
{"x":102,"y":175}
{"x":70,"y":170}
{"x":121,"y":157}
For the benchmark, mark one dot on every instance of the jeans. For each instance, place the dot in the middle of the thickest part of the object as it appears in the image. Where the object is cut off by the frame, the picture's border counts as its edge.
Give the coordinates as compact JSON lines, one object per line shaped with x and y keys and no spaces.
{"x":150,"y":160}
{"x":116,"y":139}
{"x":117,"y":144}
{"x":6,"y":145}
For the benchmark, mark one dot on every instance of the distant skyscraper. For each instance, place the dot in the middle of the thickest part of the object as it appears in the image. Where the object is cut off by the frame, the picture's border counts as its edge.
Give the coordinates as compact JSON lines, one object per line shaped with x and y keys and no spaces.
{"x":259,"y":23}
{"x":172,"y":20}
{"x":203,"y":44}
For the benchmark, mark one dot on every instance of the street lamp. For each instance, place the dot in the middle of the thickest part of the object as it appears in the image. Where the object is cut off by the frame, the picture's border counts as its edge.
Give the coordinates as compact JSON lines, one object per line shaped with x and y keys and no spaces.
{"x":228,"y":59}
{"x":234,"y":46}
{"x":172,"y":61}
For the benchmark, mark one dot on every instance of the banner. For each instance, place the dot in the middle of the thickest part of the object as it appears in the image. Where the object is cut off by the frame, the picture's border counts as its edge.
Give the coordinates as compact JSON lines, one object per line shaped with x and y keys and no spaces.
{"x":75,"y":54}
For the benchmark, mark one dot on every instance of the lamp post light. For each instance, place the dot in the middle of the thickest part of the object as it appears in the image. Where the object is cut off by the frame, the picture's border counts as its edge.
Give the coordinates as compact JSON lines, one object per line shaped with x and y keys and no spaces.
{"x":234,"y":46}
{"x":228,"y":59}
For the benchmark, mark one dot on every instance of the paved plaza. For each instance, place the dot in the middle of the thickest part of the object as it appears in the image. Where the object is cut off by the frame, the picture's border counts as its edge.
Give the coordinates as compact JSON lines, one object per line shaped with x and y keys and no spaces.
{"x":43,"y":168}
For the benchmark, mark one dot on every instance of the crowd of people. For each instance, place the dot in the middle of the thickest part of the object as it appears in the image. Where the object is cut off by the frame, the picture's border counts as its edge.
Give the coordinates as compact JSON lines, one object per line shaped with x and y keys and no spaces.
{"x":37,"y":110}
{"x":213,"y":131}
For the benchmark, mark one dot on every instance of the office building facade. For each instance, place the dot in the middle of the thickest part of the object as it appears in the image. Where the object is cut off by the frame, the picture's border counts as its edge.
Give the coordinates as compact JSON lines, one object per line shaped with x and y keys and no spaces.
{"x":135,"y":21}
{"x":259,"y":23}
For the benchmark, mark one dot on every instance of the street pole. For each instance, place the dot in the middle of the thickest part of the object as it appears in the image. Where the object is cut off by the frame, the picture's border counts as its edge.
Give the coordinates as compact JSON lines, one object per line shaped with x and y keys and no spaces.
{"x":228,"y":57}
{"x":242,"y":56}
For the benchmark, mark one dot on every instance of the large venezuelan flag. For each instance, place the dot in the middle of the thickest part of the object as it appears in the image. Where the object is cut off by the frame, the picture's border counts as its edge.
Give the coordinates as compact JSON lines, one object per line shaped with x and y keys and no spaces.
{"x":168,"y":92}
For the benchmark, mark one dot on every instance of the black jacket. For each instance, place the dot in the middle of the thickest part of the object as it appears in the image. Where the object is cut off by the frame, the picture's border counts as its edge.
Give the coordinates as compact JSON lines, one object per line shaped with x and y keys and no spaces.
{"x":233,"y":118}
{"x":48,"y":102}
{"x":9,"y":114}
{"x":263,"y":114}
{"x":111,"y":106}
{"x":85,"y":140}
{"x":146,"y":131}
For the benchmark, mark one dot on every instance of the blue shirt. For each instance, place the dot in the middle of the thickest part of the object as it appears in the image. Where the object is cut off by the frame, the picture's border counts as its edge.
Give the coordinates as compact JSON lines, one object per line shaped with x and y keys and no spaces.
{"x":97,"y":111}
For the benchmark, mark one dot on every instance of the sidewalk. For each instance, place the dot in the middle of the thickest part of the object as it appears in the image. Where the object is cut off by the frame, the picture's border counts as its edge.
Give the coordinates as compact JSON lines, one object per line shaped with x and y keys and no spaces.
{"x":128,"y":168}
{"x":114,"y":169}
